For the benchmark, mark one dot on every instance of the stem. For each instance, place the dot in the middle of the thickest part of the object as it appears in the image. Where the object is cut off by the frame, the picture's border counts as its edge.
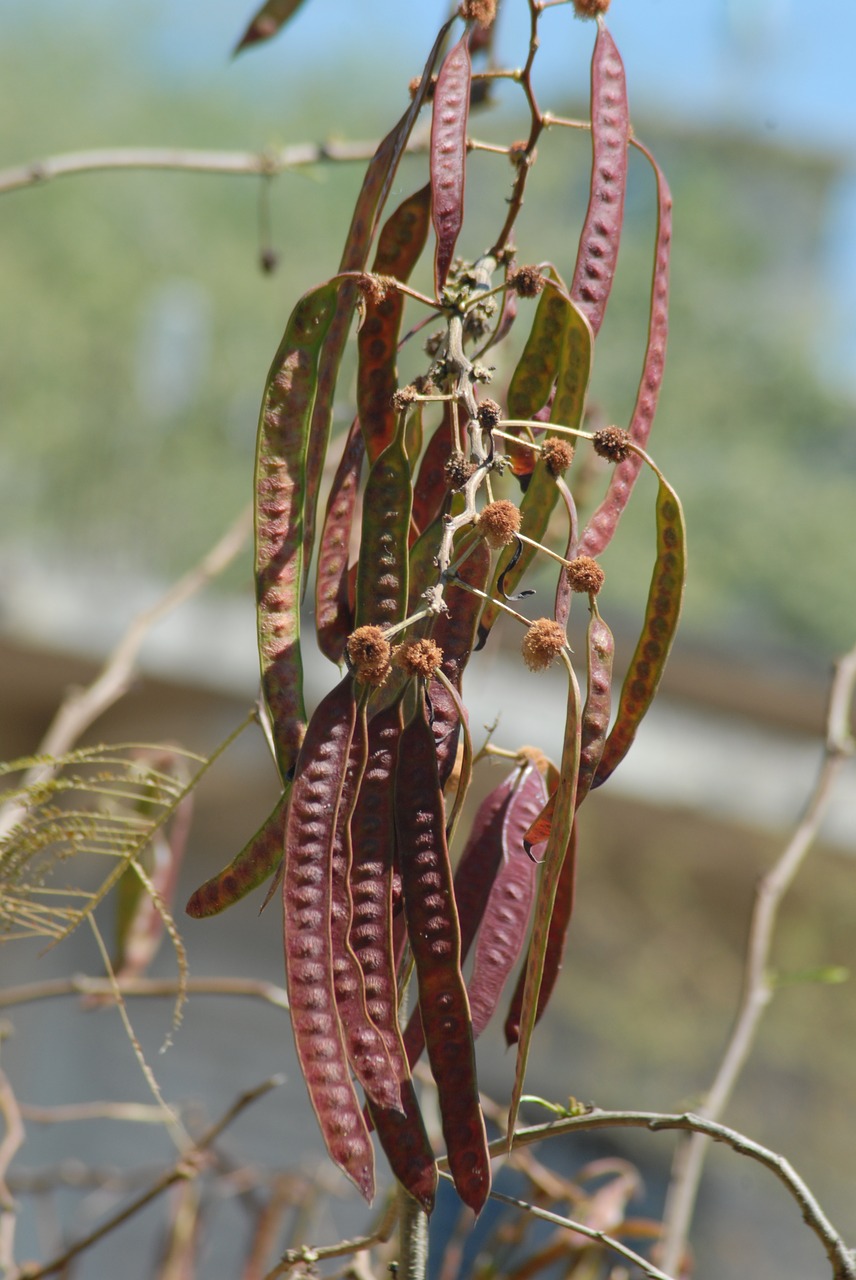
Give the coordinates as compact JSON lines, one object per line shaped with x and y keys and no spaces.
{"x":413,"y":1238}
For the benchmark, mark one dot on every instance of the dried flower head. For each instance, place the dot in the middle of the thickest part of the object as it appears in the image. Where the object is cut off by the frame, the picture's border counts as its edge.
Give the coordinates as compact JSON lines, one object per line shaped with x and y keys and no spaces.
{"x":369,"y":653}
{"x":483,"y":11}
{"x":458,"y":470}
{"x":558,"y":454}
{"x":612,"y":443}
{"x":527,"y":282}
{"x":418,"y":657}
{"x":585,"y":575}
{"x":543,"y":642}
{"x":489,"y":414}
{"x":498,"y":523}
{"x":373,"y":288}
{"x":534,"y":756}
{"x":590,"y":8}
{"x":403,"y":397}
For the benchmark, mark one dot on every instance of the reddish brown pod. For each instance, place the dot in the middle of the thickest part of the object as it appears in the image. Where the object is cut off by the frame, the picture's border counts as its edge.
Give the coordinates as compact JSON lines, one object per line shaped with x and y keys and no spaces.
{"x":310,"y":832}
{"x":449,"y":155}
{"x":610,"y":131}
{"x":432,"y":927}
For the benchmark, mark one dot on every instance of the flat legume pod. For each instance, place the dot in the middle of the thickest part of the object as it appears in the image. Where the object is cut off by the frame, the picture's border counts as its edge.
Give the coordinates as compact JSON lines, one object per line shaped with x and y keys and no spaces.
{"x":310,"y":831}
{"x":258,"y":860}
{"x":449,"y":155}
{"x":432,"y":927}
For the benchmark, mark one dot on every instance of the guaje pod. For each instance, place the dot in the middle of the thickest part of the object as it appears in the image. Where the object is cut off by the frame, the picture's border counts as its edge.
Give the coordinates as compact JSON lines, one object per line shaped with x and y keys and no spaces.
{"x":432,"y":927}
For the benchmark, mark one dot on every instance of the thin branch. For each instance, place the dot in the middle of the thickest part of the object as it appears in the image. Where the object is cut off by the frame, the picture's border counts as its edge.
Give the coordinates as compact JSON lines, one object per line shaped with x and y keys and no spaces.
{"x":83,"y":706}
{"x":13,"y":1139}
{"x":609,"y":1242}
{"x":307,"y":1257}
{"x":758,"y":985}
{"x":266,"y":163}
{"x":80,"y":985}
{"x":843,"y":1260}
{"x":133,"y":1112}
{"x":187,"y":1168}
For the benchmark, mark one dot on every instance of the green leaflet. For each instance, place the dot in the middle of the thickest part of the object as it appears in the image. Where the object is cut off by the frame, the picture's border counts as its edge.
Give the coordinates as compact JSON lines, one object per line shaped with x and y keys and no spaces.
{"x":662,"y":612}
{"x":280,"y":497}
{"x":554,"y":856}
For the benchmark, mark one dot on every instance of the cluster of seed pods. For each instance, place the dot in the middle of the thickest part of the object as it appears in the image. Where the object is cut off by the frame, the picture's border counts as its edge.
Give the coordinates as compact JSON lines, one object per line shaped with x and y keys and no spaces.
{"x":417,"y":561}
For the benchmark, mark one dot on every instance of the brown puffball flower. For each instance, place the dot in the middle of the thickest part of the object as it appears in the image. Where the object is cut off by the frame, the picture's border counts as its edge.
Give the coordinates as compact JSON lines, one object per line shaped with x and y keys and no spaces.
{"x":418,"y":658}
{"x":612,"y":443}
{"x":482,"y":11}
{"x":585,"y":575}
{"x":368,"y":653}
{"x":558,"y":454}
{"x":458,"y":470}
{"x":373,"y":288}
{"x":527,"y":282}
{"x":543,"y":642}
{"x":403,"y":397}
{"x":498,"y":523}
{"x":590,"y":8}
{"x":489,"y":414}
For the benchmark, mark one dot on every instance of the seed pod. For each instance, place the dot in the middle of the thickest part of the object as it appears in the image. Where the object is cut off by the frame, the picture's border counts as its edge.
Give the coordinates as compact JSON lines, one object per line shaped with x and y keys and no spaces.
{"x":280,"y":487}
{"x":267,"y":21}
{"x":310,"y":832}
{"x":366,"y":1048}
{"x":432,"y":927}
{"x":474,"y":876}
{"x":333,"y":617}
{"x":662,"y":612}
{"x":535,"y":373}
{"x":432,"y":485}
{"x":454,"y":631}
{"x":554,"y":857}
{"x":382,"y":571}
{"x":600,"y":649}
{"x":449,"y":155}
{"x":610,"y":132}
{"x":604,"y":522}
{"x":562,"y":607}
{"x":258,"y":860}
{"x":400,"y":244}
{"x":560,"y":918}
{"x":506,"y":915}
{"x":574,"y":371}
{"x":402,"y":1133}
{"x":377,"y":184}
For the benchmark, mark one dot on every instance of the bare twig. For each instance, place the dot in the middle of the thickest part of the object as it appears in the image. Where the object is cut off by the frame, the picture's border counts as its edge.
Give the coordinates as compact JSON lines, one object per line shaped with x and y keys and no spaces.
{"x":758,"y":985}
{"x":185,"y":160}
{"x":13,"y":1138}
{"x":843,"y":1260}
{"x":307,"y":1256}
{"x":188,"y":1167}
{"x":600,"y":1237}
{"x":82,"y":707}
{"x":160,"y":987}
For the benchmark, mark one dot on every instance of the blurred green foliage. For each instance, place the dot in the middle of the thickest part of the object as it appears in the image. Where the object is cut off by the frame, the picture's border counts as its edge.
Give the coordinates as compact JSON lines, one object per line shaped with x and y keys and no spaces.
{"x":136,"y":329}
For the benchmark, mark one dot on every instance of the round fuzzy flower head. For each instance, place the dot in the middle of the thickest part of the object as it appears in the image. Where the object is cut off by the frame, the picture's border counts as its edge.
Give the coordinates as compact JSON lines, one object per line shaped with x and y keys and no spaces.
{"x":590,"y":8}
{"x":418,"y":658}
{"x":527,"y":282}
{"x":543,"y":642}
{"x":612,"y":443}
{"x":481,"y":11}
{"x":558,"y":455}
{"x":585,"y":575}
{"x":458,"y":470}
{"x":369,"y":653}
{"x":489,"y":414}
{"x":499,"y":523}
